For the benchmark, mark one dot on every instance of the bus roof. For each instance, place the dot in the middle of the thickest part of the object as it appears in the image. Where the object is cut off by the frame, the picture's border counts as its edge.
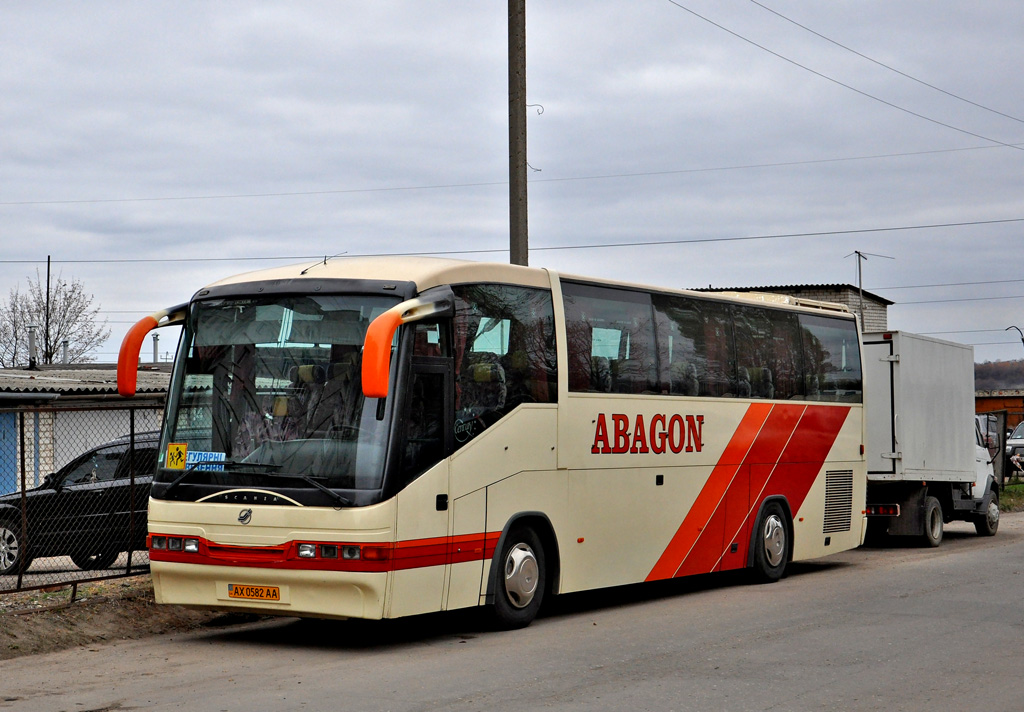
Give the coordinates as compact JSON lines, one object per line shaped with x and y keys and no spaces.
{"x":427,"y":272}
{"x":424,"y":272}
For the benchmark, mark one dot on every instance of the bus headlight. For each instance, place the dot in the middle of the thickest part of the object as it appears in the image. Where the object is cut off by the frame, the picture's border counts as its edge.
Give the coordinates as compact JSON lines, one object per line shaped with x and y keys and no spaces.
{"x":307,"y":551}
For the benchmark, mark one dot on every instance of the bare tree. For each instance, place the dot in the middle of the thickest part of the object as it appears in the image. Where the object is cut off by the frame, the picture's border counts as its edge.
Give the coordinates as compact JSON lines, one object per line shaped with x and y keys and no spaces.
{"x":68,"y":315}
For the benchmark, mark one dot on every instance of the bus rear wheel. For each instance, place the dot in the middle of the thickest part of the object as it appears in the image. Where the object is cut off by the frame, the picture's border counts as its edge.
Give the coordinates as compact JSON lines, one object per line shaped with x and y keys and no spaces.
{"x":771,"y":544}
{"x":521,"y":580}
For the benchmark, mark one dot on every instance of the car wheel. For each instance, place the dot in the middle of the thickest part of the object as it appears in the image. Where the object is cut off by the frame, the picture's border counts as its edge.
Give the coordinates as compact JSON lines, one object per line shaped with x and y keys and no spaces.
{"x":12,"y":551}
{"x":94,"y":562}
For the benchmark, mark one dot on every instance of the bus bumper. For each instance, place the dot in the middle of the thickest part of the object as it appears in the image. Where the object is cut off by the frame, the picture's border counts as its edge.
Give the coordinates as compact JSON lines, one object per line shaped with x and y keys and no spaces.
{"x":320,"y":594}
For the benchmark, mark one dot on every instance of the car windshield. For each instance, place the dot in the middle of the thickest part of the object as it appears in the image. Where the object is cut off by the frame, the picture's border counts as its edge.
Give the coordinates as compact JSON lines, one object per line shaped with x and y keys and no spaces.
{"x":272,"y":388}
{"x":1018,"y":432}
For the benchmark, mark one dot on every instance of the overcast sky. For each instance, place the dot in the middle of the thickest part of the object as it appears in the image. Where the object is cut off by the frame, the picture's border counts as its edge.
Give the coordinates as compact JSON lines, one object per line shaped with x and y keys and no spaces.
{"x":197,"y":136}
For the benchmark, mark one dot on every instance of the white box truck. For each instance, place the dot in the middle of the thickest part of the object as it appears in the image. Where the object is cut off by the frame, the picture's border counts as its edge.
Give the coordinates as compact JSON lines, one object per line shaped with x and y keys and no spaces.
{"x":926,"y":459}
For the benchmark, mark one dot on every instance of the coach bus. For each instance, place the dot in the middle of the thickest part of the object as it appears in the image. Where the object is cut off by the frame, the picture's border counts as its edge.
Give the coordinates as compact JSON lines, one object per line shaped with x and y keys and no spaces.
{"x":384,"y":437}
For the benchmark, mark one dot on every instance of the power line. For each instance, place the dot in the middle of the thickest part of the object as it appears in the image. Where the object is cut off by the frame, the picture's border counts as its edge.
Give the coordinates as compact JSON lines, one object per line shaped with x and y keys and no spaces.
{"x":489,"y":184}
{"x":884,"y":65}
{"x":586,"y":246}
{"x":949,"y":284}
{"x":839,"y":83}
{"x":962,"y":299}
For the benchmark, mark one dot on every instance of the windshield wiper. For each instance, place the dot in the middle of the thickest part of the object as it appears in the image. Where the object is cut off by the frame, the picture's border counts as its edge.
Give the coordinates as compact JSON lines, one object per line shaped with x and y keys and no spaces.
{"x":181,"y":478}
{"x":253,"y":467}
{"x":343,"y":501}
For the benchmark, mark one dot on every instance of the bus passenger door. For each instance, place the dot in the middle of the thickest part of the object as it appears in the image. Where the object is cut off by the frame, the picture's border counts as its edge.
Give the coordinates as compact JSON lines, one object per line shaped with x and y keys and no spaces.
{"x":421,"y":549}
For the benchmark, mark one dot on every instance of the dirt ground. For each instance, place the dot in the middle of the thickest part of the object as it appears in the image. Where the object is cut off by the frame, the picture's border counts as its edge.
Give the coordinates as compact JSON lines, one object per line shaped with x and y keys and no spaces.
{"x":119,"y":609}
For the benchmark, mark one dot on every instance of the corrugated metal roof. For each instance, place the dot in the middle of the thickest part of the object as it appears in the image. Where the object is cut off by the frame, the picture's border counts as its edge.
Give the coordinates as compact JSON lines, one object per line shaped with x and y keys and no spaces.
{"x":72,"y":381}
{"x":790,"y":288}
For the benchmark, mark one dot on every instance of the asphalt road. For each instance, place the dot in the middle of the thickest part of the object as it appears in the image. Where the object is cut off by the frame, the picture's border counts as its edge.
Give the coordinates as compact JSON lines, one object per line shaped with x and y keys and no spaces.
{"x":894,"y":628}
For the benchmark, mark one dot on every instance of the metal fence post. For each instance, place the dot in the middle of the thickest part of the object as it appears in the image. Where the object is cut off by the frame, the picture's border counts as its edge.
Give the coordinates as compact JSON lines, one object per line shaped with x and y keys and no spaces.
{"x":24,"y":501}
{"x":131,"y":489}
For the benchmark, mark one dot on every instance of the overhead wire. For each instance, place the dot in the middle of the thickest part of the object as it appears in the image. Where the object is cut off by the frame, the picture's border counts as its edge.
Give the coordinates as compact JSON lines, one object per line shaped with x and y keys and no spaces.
{"x":540,"y":248}
{"x":884,"y":65}
{"x":840,"y":83}
{"x":488,"y":184}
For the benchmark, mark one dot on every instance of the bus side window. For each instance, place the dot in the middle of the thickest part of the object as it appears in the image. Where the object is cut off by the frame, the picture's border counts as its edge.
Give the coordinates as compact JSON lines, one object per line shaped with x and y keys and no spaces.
{"x":611,"y":340}
{"x":831,"y":358}
{"x":504,"y":350}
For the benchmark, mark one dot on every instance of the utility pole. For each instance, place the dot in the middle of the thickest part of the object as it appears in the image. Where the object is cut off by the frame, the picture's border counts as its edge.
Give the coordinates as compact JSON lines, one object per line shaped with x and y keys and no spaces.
{"x":47,"y":358}
{"x":517,"y":213}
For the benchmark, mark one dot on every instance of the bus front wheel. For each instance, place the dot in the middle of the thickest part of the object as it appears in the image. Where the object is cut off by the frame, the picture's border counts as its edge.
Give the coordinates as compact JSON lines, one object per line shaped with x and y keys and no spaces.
{"x":520,"y":584}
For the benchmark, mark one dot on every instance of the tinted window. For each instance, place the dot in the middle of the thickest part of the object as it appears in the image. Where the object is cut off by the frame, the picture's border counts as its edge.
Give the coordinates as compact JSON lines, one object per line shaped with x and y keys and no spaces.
{"x":504,"y":349}
{"x":98,"y":466}
{"x":831,"y":359}
{"x":767,"y":353}
{"x":611,"y":340}
{"x":695,"y":338}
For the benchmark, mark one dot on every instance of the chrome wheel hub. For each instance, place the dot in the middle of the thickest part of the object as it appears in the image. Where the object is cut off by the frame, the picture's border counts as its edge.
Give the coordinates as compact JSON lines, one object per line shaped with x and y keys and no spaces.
{"x":774,"y":540}
{"x":521,"y":575}
{"x":992,"y":514}
{"x":8,"y":548}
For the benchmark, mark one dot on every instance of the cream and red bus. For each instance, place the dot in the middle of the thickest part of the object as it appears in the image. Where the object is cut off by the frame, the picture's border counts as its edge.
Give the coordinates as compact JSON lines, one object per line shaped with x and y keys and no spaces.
{"x":384,"y":437}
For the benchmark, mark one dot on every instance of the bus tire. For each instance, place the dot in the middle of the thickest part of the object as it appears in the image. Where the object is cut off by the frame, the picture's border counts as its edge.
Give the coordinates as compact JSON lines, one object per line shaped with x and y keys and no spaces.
{"x":932,"y":534}
{"x":521,"y":581}
{"x":987,"y":524}
{"x":771,"y":544}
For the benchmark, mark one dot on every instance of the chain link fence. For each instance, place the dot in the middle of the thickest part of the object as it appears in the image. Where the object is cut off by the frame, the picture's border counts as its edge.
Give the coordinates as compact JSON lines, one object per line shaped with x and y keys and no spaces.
{"x":74,"y":487}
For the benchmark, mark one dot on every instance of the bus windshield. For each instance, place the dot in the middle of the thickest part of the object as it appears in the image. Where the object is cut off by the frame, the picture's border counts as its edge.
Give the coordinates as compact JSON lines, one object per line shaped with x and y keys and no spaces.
{"x":267,"y":393}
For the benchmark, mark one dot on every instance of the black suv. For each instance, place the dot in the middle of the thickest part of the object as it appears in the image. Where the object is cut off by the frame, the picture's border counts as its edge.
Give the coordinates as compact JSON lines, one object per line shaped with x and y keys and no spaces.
{"x":84,"y":510}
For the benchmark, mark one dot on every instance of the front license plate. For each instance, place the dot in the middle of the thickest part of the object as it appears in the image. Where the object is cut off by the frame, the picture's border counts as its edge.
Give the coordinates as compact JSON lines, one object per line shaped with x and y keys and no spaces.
{"x":254,"y":593}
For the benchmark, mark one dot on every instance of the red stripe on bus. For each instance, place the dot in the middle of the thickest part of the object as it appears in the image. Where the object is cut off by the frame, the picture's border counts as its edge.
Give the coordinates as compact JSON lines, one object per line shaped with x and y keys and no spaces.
{"x":805,"y":455}
{"x":733,"y":506}
{"x":375,"y":556}
{"x":792,"y":476}
{"x":712,"y":492}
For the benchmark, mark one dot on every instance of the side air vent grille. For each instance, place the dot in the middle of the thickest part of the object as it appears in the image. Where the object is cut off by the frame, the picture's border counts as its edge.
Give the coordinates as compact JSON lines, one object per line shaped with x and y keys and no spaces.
{"x":838,"y":501}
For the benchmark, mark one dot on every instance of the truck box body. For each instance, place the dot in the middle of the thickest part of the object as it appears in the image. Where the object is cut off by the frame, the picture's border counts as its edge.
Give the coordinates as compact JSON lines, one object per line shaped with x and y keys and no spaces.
{"x":919,"y":408}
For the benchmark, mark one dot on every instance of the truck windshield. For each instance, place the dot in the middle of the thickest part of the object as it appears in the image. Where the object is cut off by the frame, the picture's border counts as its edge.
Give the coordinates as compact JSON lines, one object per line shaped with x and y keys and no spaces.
{"x":267,"y":393}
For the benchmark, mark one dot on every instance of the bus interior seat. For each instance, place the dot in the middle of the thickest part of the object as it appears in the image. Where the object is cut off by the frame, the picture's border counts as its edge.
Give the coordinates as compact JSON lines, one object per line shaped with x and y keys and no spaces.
{"x":683,"y":380}
{"x":340,"y":397}
{"x":761,"y":382}
{"x":485,"y":389}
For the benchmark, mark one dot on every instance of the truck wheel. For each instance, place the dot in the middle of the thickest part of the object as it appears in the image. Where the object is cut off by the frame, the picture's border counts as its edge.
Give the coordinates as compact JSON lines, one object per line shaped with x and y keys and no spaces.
{"x":988,"y":524}
{"x":932,"y":522}
{"x":522,"y":578}
{"x":771,"y":544}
